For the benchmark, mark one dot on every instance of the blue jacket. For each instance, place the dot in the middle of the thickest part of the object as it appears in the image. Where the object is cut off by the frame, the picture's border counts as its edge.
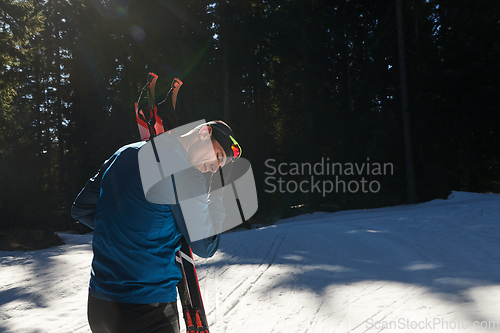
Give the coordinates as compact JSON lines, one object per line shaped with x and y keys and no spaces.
{"x":135,"y":241}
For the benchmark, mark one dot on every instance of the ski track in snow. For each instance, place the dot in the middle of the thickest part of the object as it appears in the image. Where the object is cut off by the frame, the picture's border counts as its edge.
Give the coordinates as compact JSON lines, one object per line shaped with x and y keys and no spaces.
{"x":46,"y":290}
{"x":391,"y":269}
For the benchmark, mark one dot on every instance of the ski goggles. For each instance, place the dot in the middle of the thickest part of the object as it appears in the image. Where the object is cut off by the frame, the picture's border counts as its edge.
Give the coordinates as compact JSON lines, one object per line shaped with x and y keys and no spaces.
{"x":226,"y":140}
{"x":235,"y":147}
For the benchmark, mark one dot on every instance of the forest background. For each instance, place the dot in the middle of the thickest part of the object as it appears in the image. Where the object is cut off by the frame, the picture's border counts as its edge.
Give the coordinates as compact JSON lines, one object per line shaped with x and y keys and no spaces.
{"x":298,"y":81}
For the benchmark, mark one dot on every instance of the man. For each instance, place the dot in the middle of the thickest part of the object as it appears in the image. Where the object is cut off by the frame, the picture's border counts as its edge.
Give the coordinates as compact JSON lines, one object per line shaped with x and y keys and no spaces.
{"x":134,"y":273}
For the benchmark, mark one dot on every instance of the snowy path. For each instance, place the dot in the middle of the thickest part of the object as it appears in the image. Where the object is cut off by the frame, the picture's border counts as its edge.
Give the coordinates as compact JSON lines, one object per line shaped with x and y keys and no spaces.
{"x":45,"y":290}
{"x":426,"y":267}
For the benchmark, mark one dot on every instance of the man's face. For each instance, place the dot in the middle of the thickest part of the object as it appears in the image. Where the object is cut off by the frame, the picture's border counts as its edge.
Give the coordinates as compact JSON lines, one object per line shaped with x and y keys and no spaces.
{"x":207,"y":155}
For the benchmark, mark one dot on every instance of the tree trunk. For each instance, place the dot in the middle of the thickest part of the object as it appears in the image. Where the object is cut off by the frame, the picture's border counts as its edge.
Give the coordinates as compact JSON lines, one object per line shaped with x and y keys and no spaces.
{"x":38,"y":93}
{"x":410,"y":176}
{"x":223,"y":31}
{"x":307,"y":72}
{"x":348,"y":71}
{"x":61,"y":179}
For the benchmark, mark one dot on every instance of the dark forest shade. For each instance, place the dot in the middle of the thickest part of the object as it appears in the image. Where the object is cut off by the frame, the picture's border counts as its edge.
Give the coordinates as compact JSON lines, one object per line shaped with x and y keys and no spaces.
{"x":301,"y":82}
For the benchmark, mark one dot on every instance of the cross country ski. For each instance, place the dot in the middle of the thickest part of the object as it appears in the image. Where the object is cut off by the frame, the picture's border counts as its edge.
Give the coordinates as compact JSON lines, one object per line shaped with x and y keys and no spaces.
{"x":151,"y":125}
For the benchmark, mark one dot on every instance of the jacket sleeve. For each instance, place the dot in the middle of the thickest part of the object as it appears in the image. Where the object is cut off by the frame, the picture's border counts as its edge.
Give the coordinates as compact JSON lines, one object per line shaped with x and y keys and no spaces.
{"x":84,"y":206}
{"x":204,"y":248}
{"x":211,"y":214}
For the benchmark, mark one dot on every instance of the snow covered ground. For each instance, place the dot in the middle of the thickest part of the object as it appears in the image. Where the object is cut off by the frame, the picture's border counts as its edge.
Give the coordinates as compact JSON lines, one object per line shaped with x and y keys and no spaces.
{"x":431,"y":267}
